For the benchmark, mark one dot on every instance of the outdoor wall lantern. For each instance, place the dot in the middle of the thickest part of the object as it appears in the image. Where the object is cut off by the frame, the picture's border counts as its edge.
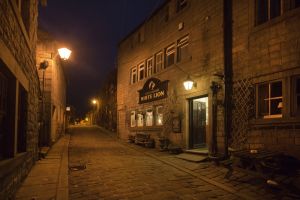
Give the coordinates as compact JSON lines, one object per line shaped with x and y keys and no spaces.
{"x":64,"y":53}
{"x":188,"y":83}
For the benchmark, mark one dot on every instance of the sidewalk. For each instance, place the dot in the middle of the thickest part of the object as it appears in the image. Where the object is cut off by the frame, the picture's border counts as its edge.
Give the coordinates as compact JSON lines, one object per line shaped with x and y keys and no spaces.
{"x":48,"y":178}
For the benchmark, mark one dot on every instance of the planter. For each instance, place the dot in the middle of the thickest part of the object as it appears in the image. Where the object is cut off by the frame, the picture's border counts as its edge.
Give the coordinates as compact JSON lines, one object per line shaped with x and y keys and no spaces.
{"x":163,"y":143}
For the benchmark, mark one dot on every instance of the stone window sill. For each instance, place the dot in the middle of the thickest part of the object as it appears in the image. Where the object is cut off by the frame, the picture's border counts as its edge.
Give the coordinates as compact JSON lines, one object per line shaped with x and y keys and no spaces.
{"x":7,"y":166}
{"x":276,"y":122}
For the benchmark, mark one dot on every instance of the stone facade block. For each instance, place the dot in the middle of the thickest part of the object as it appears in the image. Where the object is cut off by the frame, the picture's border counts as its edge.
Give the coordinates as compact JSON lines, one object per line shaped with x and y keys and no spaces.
{"x":17,"y":53}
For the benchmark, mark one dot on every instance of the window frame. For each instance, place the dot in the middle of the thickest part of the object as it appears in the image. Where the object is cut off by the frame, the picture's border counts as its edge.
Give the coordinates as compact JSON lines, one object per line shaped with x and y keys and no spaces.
{"x":181,"y":44}
{"x":141,"y":67}
{"x":133,"y":75}
{"x":157,"y":122}
{"x":294,"y":95}
{"x":170,"y":51}
{"x":269,"y":99}
{"x":140,"y":115}
{"x":159,"y":66}
{"x":146,"y":117}
{"x":259,"y":19}
{"x":151,"y":68}
{"x":133,"y":119}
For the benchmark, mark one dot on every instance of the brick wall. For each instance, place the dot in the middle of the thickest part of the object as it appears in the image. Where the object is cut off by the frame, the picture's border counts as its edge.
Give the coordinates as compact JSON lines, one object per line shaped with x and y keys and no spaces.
{"x":18,"y":53}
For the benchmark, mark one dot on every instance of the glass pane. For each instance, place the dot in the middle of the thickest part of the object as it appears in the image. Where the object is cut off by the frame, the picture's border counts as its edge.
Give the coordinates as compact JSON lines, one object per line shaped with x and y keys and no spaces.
{"x":276,"y":89}
{"x":170,"y":60}
{"x":159,"y":115}
{"x":298,"y":86}
{"x":263,"y":99}
{"x":132,"y":119}
{"x":275,"y":8}
{"x":297,"y":3}
{"x":298,"y":104}
{"x":262,"y":11}
{"x":275,"y":108}
{"x":140,"y":121}
{"x":142,"y":74}
{"x":149,"y":118}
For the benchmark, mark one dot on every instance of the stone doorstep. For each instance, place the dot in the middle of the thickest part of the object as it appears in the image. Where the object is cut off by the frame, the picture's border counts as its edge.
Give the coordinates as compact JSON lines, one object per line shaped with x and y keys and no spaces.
{"x":192,"y":157}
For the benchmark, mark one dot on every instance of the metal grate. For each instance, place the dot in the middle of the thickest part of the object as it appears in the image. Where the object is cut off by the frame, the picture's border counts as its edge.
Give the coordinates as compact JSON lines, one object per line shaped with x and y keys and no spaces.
{"x":243,"y":111}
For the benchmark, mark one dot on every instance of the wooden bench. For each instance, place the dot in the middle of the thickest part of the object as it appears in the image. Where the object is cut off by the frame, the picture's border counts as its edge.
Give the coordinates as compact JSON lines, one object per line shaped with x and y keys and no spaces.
{"x":144,"y":139}
{"x":263,"y":164}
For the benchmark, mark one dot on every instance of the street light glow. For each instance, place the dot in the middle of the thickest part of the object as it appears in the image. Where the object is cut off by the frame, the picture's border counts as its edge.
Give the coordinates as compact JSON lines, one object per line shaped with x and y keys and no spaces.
{"x":64,"y":53}
{"x":94,"y":101}
{"x":188,"y":83}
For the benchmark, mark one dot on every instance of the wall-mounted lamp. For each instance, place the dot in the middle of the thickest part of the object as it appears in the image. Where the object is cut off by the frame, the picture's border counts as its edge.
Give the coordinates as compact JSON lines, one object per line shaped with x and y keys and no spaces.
{"x":188,"y":83}
{"x":64,"y":53}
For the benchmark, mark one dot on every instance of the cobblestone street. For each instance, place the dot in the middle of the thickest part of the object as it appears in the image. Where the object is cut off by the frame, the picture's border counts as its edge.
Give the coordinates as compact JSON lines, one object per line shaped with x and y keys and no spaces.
{"x":114,"y":171}
{"x":101,"y":167}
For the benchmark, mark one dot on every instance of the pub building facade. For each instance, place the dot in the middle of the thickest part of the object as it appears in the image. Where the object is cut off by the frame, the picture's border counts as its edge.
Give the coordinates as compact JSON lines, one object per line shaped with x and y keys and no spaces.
{"x":244,"y":65}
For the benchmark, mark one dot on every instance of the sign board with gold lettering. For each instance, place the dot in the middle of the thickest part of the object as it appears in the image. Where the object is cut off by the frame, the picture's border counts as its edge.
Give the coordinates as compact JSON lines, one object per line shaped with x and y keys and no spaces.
{"x":153,"y":90}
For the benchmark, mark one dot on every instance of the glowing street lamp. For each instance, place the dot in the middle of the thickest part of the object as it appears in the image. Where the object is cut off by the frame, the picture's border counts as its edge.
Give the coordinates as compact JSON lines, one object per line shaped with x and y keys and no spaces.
{"x":64,"y":53}
{"x":94,"y":101}
{"x":188,"y":83}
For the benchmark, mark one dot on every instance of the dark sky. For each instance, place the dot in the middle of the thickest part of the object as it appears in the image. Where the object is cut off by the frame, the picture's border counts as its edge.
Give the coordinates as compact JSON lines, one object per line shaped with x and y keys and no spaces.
{"x":92,"y":30}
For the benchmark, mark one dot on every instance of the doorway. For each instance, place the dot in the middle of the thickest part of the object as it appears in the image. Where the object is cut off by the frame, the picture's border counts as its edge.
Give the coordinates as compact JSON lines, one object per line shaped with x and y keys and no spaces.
{"x":198,"y":122}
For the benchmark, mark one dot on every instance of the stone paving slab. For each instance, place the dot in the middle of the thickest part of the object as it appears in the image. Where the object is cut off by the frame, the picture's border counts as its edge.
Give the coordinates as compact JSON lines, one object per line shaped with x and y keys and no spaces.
{"x":48,"y":179}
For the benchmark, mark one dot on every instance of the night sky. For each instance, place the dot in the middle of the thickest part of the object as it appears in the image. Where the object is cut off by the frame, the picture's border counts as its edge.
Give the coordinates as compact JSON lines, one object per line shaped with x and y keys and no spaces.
{"x":92,"y":30}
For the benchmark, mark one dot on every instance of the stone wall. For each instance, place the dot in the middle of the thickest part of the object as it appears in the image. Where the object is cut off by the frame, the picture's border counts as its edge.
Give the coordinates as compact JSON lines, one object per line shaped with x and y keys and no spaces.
{"x":262,"y":53}
{"x":18,"y":53}
{"x":202,"y":22}
{"x":55,"y":87}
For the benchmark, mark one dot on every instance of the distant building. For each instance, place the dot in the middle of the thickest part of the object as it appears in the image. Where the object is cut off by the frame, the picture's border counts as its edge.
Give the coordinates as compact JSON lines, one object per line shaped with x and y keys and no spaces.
{"x":256,"y":53}
{"x":107,"y":116}
{"x":19,"y":93}
{"x":53,"y":87}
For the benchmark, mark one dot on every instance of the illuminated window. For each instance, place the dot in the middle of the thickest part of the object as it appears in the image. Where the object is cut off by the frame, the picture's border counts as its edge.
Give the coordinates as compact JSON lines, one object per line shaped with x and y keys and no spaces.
{"x":149,"y":67}
{"x":267,"y":9}
{"x":158,"y":62}
{"x":149,"y":118}
{"x":133,"y":75}
{"x":140,"y":120}
{"x":132,"y":119}
{"x":141,"y":71}
{"x":170,"y":55}
{"x":183,"y":49}
{"x":159,"y":115}
{"x":270,"y":102}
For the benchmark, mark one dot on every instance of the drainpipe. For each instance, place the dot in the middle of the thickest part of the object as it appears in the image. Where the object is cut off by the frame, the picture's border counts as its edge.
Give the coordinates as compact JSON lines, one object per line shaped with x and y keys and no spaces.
{"x":227,"y":39}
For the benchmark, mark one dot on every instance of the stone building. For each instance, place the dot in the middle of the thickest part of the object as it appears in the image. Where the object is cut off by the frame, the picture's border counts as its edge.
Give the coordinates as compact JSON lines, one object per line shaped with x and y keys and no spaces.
{"x":108,"y":102}
{"x":19,"y":93}
{"x":244,"y":60}
{"x":53,"y":88}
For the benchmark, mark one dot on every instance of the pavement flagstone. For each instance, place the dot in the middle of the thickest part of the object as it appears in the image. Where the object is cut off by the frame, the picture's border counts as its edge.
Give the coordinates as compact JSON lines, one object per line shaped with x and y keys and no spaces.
{"x":48,"y":179}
